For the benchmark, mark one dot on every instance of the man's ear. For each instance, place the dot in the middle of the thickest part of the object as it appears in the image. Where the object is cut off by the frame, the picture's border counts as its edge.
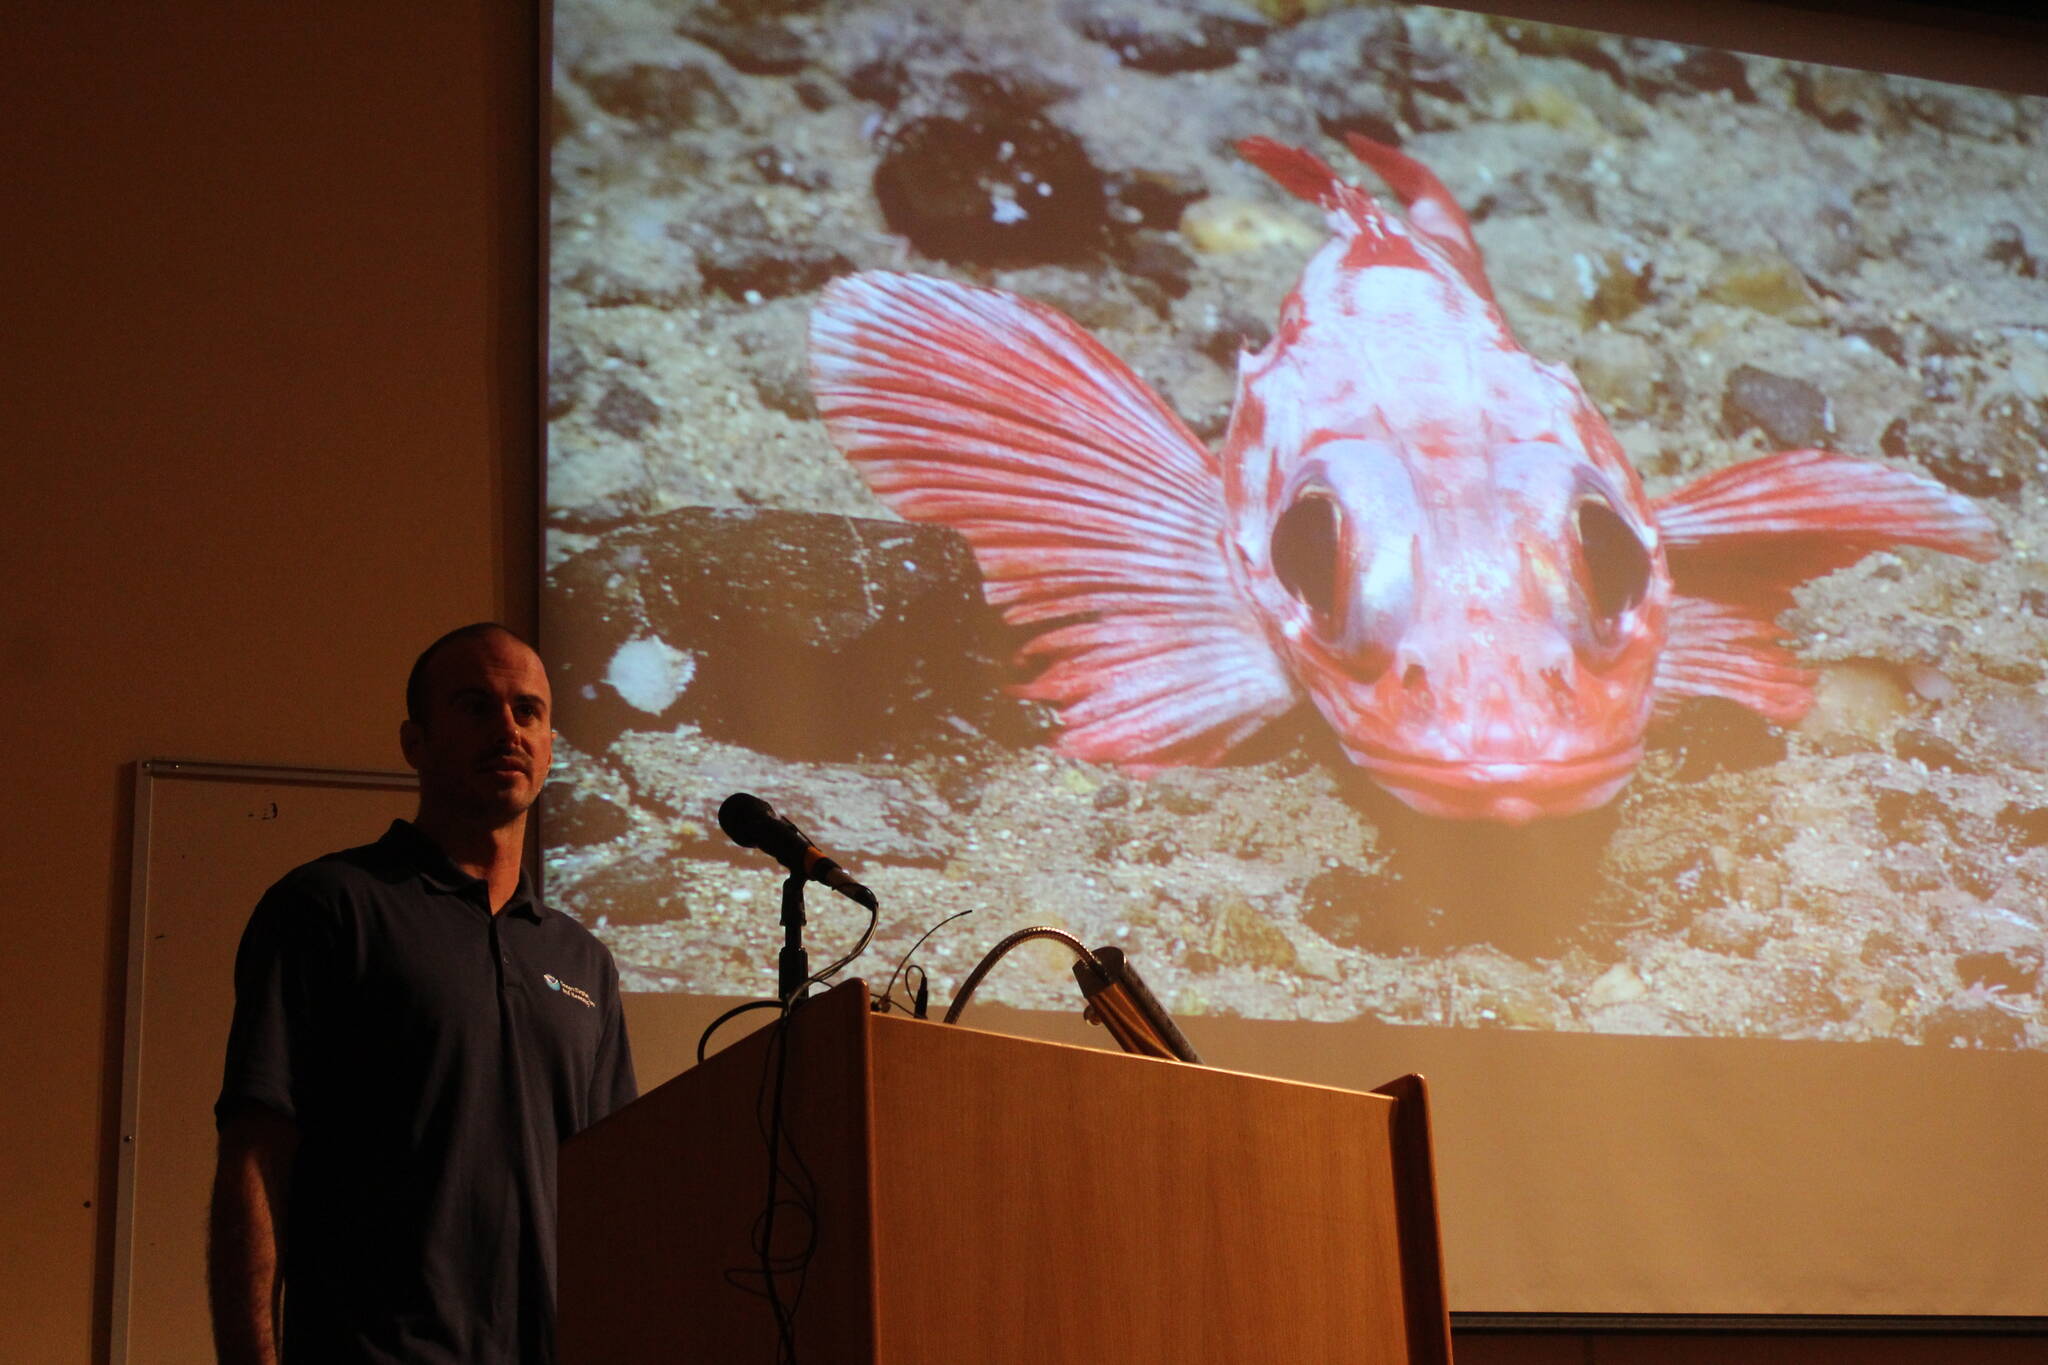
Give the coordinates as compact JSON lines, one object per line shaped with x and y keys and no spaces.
{"x":410,"y":737}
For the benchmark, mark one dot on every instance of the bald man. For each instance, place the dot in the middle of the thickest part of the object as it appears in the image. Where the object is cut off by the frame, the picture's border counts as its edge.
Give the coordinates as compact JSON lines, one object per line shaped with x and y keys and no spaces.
{"x":415,"y":1034}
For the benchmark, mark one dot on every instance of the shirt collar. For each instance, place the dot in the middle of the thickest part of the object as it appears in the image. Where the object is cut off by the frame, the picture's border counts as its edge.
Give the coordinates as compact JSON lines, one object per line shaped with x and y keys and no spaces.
{"x":405,"y":842}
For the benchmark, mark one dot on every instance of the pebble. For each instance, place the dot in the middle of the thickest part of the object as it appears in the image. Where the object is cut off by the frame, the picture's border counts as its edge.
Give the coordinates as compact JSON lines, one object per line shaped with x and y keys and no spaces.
{"x":1243,"y":937}
{"x":1973,"y":460}
{"x":1201,"y":37}
{"x":1886,"y":341}
{"x":1547,"y":103}
{"x":752,"y":270}
{"x":1930,"y":683}
{"x":2028,"y":825}
{"x":1856,"y":706}
{"x":1937,"y":444}
{"x":566,"y":367}
{"x":2007,"y":246}
{"x":1765,"y":282}
{"x":764,"y":47}
{"x":660,"y":99}
{"x":1790,"y":412}
{"x":1714,"y":71}
{"x":1845,"y":100}
{"x":1112,"y":795}
{"x":1617,"y":985}
{"x":992,"y":189}
{"x":625,"y":411}
{"x":2019,"y":972}
{"x":1986,"y":114}
{"x":1219,"y":226}
{"x":1613,"y":287}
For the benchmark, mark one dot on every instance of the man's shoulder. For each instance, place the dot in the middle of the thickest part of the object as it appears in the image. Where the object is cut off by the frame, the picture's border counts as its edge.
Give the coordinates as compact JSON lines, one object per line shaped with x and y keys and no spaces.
{"x":365,"y":867}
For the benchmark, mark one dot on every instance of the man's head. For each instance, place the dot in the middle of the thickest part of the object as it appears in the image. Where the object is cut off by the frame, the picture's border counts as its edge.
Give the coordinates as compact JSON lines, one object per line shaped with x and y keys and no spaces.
{"x":478,"y":712}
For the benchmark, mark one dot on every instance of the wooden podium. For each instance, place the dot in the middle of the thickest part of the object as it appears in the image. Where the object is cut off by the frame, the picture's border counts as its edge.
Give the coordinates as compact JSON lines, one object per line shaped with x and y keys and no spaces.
{"x":978,"y":1199}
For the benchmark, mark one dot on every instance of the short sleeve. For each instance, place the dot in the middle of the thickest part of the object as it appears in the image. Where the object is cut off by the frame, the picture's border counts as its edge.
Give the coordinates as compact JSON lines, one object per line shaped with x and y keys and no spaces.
{"x":612,"y":1085}
{"x":284,"y":954}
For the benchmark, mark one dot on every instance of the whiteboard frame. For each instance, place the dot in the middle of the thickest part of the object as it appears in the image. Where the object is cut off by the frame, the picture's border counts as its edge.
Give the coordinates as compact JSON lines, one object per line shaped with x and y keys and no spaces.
{"x":147,"y":773}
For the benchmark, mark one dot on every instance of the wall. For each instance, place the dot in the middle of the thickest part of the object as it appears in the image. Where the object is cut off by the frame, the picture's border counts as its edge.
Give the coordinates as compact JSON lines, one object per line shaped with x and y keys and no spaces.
{"x":268,"y":335}
{"x":269,"y":331}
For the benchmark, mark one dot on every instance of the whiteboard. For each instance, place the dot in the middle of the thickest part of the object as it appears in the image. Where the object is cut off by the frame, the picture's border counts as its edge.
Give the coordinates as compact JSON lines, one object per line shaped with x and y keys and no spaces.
{"x":210,"y":838}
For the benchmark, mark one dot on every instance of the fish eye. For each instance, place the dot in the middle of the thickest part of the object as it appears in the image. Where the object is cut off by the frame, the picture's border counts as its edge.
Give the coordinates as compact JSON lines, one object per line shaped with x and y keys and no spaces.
{"x":1305,"y":544}
{"x":1614,"y":565}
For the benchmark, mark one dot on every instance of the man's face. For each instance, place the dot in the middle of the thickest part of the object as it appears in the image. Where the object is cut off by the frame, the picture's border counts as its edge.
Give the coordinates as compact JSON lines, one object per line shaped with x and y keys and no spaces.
{"x":484,"y":746}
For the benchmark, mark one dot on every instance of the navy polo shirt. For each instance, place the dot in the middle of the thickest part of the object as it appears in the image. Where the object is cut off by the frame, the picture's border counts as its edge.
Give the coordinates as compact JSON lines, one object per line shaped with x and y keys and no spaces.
{"x":433,"y":1057}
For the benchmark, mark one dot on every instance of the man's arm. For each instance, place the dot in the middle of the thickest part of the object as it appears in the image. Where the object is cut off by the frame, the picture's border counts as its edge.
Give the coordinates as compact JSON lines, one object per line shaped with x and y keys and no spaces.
{"x":245,"y":1245}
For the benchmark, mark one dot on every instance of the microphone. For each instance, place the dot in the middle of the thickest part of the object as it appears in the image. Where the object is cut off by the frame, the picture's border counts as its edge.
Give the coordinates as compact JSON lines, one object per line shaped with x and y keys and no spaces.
{"x":751,"y":822}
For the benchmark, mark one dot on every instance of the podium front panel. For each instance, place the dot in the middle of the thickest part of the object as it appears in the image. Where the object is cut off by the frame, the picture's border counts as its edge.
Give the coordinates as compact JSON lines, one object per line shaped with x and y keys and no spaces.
{"x":1043,"y":1204}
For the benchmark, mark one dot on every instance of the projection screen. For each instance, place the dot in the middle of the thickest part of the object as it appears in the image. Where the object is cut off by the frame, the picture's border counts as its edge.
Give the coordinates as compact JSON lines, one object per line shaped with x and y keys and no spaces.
{"x":1459,"y":544}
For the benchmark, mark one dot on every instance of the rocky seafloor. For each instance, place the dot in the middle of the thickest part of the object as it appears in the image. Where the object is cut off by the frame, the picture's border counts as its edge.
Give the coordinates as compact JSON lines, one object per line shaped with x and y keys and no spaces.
{"x":1735,"y":254}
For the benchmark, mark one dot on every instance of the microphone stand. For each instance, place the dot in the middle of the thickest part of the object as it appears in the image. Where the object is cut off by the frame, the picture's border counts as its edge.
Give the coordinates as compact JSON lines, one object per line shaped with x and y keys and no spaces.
{"x":793,"y":964}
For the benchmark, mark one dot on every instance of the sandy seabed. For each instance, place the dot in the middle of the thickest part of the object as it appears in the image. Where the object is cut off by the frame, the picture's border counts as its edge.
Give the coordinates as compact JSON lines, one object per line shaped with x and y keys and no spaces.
{"x":1666,"y":222}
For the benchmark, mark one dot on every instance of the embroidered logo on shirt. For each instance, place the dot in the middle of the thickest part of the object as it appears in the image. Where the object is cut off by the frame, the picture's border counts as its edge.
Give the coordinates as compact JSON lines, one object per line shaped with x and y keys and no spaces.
{"x":576,"y":993}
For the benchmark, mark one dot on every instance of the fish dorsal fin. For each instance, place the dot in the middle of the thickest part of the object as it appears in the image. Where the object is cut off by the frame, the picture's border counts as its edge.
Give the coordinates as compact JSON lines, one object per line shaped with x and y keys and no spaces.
{"x":1433,"y":216}
{"x":1432,"y":212}
{"x":1095,"y":515}
{"x":1308,"y":177}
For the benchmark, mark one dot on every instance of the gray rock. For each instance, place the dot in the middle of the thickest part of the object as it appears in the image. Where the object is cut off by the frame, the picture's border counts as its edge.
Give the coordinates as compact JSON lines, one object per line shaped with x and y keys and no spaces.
{"x":798,"y":634}
{"x":1204,"y":36}
{"x":996,"y":187}
{"x":660,"y":98}
{"x":625,"y":411}
{"x":1791,"y":412}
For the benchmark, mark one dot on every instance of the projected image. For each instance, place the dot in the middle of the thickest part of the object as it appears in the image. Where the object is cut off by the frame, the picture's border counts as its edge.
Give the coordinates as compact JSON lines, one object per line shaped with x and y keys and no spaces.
{"x":1380,"y":512}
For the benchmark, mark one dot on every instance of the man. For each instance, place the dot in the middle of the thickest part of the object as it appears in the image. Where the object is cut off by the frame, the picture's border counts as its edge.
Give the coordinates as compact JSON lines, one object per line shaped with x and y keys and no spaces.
{"x":414,"y":1036}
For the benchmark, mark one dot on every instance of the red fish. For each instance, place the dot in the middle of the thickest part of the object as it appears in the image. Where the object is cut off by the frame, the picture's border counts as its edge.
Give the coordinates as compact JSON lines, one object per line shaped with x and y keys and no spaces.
{"x":1427,"y":531}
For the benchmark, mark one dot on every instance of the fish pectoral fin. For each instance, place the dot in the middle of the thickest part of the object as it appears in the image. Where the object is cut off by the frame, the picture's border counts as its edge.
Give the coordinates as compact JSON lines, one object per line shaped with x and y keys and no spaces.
{"x":1095,"y":515}
{"x":1739,"y":540}
{"x":1718,"y":650}
{"x":1747,"y":535}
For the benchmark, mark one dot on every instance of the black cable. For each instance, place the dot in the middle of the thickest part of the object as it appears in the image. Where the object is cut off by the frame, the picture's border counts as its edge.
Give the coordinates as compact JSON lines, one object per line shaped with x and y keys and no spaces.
{"x":796,"y":1175}
{"x":887,"y":1000}
{"x":732,"y":1013}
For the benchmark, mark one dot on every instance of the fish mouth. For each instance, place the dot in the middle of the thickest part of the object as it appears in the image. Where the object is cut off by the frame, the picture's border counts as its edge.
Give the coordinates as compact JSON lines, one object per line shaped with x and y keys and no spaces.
{"x":1511,"y":792}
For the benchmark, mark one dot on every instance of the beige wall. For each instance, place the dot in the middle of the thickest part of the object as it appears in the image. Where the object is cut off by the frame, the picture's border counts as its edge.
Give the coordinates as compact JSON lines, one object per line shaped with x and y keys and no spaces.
{"x":265,"y":418}
{"x":268,"y":331}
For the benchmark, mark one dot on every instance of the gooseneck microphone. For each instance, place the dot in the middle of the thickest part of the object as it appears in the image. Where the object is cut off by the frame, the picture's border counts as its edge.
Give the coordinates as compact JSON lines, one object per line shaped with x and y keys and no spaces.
{"x":751,"y":822}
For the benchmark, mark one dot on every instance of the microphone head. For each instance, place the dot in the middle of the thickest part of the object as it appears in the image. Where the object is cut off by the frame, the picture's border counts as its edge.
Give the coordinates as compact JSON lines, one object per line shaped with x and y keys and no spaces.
{"x":746,"y":818}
